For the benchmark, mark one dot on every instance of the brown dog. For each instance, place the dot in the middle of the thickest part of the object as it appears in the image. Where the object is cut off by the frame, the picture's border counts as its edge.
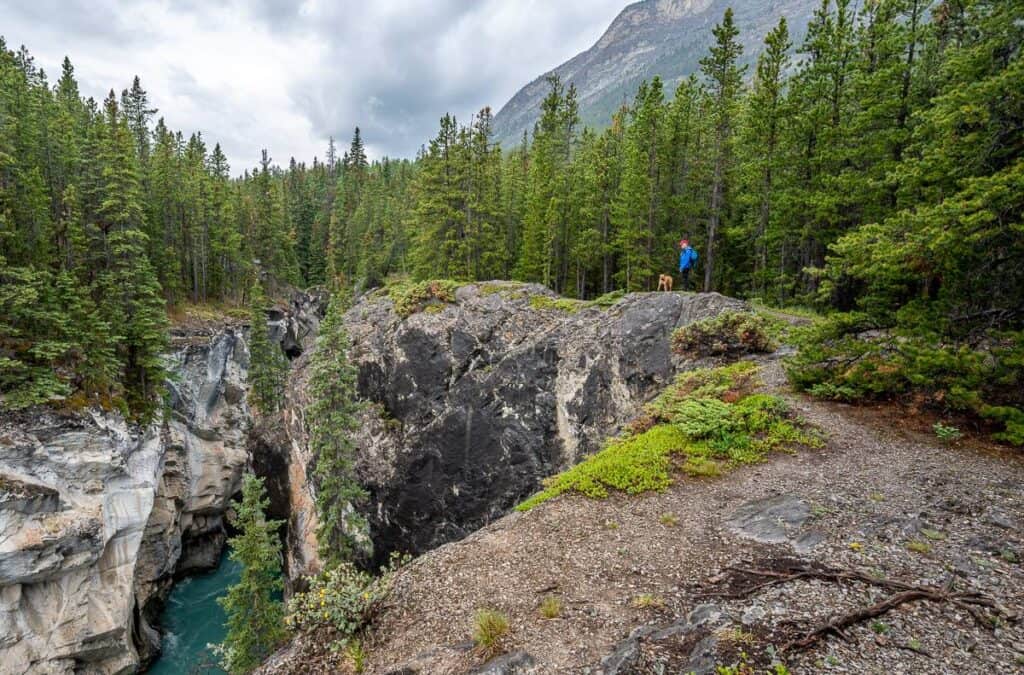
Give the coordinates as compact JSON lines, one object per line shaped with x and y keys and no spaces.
{"x":665,"y":282}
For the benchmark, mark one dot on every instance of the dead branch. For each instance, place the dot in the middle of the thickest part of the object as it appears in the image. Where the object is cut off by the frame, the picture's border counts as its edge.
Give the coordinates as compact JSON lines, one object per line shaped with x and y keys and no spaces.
{"x":973,"y":602}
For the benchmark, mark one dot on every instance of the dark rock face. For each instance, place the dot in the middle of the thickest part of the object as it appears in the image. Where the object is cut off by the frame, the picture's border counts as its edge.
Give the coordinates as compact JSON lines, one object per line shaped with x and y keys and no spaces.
{"x":475,"y":404}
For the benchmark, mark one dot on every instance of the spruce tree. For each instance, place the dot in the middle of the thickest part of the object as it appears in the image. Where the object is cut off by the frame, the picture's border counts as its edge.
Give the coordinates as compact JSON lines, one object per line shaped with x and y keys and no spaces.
{"x":268,"y":366}
{"x":724,"y":79}
{"x":332,"y":417}
{"x":762,"y":156}
{"x":255,"y":615}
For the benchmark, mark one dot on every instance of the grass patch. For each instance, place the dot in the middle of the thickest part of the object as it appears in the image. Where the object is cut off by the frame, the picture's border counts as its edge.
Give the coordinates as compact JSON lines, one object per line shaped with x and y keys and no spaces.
{"x":489,"y":628}
{"x":567,"y":305}
{"x":572,"y":305}
{"x":551,"y":607}
{"x":411,"y":297}
{"x":706,"y":422}
{"x":648,"y":601}
{"x":919,"y":546}
{"x":668,"y":519}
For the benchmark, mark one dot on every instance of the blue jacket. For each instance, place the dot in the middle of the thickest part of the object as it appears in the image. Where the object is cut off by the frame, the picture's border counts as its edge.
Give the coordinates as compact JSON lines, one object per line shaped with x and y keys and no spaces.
{"x":687,"y":258}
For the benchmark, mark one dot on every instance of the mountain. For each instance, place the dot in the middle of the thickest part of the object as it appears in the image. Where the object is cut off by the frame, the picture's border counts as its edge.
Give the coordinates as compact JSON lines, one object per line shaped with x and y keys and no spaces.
{"x":651,"y":37}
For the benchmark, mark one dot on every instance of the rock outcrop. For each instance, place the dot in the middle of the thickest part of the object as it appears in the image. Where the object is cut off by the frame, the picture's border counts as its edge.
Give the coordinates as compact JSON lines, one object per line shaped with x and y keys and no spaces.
{"x":475,"y":402}
{"x":97,"y":517}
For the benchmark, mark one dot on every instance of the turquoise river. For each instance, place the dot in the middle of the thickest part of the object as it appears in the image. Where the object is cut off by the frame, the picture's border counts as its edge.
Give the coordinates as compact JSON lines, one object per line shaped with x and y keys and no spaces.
{"x":192,"y":619}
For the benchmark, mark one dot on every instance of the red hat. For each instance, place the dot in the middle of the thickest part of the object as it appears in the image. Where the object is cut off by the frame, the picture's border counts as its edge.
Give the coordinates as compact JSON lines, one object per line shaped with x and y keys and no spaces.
{"x":684,"y":242}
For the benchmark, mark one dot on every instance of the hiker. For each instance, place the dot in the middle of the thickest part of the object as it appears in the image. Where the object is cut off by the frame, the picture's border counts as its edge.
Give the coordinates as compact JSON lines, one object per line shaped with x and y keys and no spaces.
{"x":687,"y":261}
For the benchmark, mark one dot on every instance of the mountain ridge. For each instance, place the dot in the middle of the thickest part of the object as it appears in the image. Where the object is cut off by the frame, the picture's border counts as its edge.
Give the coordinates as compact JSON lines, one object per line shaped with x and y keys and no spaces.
{"x":647,"y":38}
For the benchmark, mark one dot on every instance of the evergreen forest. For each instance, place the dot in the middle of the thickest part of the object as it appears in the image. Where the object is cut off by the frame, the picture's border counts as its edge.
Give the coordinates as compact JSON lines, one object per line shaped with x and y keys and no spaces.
{"x":873,"y":173}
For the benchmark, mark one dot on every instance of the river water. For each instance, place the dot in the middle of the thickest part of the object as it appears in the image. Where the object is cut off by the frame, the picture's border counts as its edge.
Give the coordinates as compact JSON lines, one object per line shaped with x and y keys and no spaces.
{"x":192,"y":619}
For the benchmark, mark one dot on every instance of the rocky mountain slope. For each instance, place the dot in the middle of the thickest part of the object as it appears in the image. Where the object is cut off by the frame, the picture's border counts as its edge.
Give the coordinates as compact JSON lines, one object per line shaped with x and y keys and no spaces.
{"x":652,"y":37}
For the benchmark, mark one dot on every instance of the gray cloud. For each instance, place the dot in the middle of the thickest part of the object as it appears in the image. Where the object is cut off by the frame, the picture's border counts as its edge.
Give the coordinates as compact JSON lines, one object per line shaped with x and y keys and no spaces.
{"x":286,"y":75}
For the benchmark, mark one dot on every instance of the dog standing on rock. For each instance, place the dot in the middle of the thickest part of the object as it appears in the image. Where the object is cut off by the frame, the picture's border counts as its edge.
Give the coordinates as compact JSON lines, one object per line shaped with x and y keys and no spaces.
{"x":665,"y":282}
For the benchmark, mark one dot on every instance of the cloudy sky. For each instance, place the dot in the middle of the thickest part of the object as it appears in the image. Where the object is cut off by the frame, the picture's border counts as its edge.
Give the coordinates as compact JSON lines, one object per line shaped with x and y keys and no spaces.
{"x":286,"y":74}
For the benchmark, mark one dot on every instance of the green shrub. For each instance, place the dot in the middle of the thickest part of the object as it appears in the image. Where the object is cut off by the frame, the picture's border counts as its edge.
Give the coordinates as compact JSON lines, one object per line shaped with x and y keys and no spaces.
{"x":609,"y":299}
{"x":489,"y":629}
{"x":729,"y":333}
{"x":847,"y":358}
{"x":946,"y":434}
{"x":343,"y":598}
{"x":412,"y":297}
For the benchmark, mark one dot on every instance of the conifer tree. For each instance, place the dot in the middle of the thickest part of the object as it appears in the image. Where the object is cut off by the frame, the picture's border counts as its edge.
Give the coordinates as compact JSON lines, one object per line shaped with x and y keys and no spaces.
{"x":762,"y":160}
{"x":255,"y":615}
{"x":332,"y":417}
{"x":268,"y":366}
{"x":724,"y":79}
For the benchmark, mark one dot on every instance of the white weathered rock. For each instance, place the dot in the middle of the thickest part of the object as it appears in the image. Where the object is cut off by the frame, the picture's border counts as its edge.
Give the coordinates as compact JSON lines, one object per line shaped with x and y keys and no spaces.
{"x":96,"y":517}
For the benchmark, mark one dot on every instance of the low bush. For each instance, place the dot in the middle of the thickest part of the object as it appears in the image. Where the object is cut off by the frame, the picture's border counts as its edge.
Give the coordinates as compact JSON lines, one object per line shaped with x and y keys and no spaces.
{"x":411,"y":297}
{"x":343,"y":598}
{"x":728,"y":334}
{"x":846,"y":358}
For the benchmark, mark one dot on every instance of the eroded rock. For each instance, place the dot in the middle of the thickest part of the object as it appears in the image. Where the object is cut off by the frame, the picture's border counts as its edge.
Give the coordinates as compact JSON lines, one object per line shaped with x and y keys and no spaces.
{"x":98,"y":517}
{"x":476,"y":403}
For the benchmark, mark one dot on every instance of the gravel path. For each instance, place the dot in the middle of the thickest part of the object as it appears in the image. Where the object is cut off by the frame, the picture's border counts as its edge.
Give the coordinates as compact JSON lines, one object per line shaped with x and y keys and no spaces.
{"x":876,"y":488}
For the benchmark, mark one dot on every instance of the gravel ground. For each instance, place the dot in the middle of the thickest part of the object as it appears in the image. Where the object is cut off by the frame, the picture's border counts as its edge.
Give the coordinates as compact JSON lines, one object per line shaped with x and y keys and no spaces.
{"x":876,"y":487}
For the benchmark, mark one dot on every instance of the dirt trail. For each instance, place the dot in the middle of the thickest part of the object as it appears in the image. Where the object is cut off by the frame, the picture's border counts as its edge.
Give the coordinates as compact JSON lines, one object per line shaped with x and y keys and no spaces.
{"x":873,"y":490}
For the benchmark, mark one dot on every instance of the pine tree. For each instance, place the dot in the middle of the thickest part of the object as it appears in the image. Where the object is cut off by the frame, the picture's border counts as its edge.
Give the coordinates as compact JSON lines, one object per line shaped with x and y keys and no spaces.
{"x":332,"y":417}
{"x":725,"y":79}
{"x":268,"y":367}
{"x":762,"y":159}
{"x":255,"y":615}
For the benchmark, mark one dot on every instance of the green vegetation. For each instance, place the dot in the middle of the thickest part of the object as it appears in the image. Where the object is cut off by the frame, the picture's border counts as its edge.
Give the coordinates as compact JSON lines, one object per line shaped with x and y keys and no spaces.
{"x":489,"y":630}
{"x":567,"y":305}
{"x":343,"y":598}
{"x":268,"y":366}
{"x":872,"y":172}
{"x":840,"y":359}
{"x":919,"y":546}
{"x":416,"y":296}
{"x":331,"y":417}
{"x":705,"y":422}
{"x":668,"y":519}
{"x":648,"y":601}
{"x":551,"y":607}
{"x":946,"y":433}
{"x":255,"y":621}
{"x":729,"y":333}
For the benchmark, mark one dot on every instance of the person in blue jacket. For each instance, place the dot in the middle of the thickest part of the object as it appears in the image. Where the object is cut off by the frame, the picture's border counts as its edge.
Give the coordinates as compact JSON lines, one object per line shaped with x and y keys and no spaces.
{"x":687,"y":261}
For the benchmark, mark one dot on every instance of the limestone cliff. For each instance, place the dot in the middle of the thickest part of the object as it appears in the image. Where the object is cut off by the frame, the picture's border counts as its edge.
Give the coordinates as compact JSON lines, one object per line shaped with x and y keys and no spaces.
{"x":98,"y":517}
